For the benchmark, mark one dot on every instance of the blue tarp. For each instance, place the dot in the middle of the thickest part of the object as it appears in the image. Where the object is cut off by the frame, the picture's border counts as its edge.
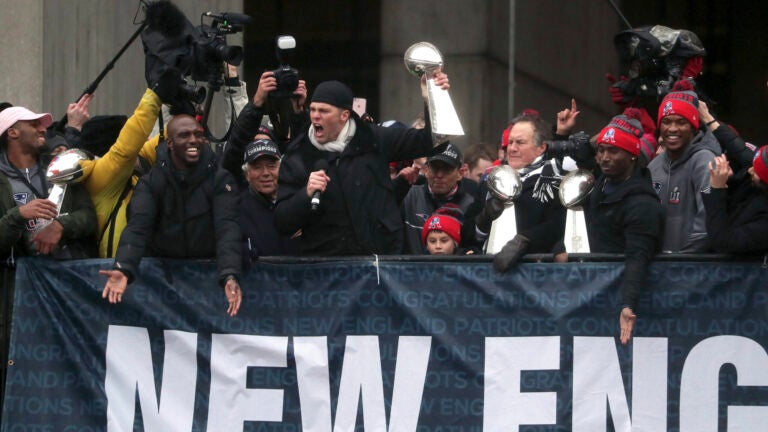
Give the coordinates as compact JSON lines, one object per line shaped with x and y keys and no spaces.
{"x":399,"y":346}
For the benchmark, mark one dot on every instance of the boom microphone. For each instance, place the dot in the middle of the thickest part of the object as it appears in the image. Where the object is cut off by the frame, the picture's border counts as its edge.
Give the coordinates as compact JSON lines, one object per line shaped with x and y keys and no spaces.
{"x":230,"y":17}
{"x":320,"y":165}
{"x":165,"y":17}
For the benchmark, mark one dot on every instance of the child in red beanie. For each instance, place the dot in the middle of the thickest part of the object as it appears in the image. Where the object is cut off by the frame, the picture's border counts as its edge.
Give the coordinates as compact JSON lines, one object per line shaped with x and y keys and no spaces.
{"x":441,"y":234}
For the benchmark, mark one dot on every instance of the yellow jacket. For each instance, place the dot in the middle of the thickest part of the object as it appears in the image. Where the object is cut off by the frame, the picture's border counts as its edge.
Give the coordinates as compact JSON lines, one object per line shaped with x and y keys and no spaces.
{"x":106,"y":178}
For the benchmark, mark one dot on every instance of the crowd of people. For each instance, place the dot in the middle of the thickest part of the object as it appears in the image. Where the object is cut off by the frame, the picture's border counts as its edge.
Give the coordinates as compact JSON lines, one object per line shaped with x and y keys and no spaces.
{"x":340,"y":184}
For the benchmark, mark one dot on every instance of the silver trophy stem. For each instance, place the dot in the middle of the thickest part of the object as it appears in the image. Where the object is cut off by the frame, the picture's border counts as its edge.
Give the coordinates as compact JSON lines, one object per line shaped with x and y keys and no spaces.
{"x":56,"y":196}
{"x":442,"y":114}
{"x":503,"y":229}
{"x":576,"y":239}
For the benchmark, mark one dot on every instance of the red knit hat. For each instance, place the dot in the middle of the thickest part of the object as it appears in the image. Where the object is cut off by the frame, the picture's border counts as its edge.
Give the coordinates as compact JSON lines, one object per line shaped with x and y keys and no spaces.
{"x":648,"y":147}
{"x":681,"y":101}
{"x":444,"y":223}
{"x":505,"y":136}
{"x":760,"y":164}
{"x":622,"y":132}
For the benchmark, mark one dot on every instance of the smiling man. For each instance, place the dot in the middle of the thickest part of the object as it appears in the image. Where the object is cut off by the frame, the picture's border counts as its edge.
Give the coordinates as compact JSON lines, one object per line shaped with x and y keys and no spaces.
{"x":343,"y":162}
{"x":185,"y":207}
{"x":30,"y":224}
{"x":681,"y":173}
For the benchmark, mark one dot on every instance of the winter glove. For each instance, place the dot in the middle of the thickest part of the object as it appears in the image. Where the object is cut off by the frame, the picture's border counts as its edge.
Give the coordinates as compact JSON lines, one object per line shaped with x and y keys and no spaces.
{"x":693,"y":67}
{"x":510,"y":253}
{"x":491,"y":211}
{"x":618,"y":90}
{"x":167,"y":85}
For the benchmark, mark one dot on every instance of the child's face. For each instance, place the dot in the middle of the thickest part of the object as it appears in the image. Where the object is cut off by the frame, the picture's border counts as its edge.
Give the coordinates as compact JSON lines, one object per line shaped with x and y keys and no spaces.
{"x":440,"y":243}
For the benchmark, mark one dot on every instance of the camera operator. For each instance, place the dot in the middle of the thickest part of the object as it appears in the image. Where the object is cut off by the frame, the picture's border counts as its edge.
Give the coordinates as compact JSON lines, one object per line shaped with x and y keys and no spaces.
{"x":250,"y":119}
{"x":342,"y":164}
{"x":657,"y":57}
{"x":268,"y":86}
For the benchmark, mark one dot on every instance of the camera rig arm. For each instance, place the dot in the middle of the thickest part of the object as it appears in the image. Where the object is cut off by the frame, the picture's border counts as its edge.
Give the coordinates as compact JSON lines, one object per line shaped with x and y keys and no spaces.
{"x":95,"y":84}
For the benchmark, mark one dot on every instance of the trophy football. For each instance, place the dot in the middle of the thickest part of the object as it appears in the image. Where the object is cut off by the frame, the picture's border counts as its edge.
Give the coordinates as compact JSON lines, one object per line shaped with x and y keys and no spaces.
{"x":575,"y":187}
{"x":505,"y":185}
{"x":63,"y":170}
{"x":424,"y":58}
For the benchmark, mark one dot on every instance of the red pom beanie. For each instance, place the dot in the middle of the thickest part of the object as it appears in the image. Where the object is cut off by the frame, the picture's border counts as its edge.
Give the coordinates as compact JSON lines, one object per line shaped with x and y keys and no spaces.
{"x":681,"y":101}
{"x":760,"y":164}
{"x":444,"y":223}
{"x":622,"y":132}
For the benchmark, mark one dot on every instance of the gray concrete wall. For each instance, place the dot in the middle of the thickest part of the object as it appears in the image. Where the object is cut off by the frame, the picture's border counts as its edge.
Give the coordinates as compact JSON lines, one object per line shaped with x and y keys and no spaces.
{"x":459,"y":28}
{"x":21,"y":70}
{"x":54,"y":49}
{"x":563,"y":50}
{"x":557,"y":55}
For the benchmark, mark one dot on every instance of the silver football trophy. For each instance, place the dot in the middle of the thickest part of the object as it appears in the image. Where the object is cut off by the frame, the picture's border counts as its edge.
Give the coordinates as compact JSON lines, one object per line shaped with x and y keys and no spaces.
{"x":424,"y":58}
{"x":575,"y":187}
{"x":63,"y":170}
{"x":505,"y":185}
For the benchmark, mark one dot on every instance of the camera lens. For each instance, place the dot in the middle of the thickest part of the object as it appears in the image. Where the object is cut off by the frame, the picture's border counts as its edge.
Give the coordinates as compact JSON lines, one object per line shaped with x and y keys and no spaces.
{"x":193,"y":93}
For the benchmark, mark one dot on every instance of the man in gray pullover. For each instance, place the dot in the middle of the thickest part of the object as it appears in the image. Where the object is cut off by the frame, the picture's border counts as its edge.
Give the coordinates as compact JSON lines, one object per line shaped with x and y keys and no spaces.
{"x":681,"y":173}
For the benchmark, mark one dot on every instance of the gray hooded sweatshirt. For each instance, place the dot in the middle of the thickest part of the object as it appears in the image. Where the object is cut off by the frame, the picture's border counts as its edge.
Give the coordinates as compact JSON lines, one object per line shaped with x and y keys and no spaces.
{"x":679,"y":184}
{"x":22,"y":193}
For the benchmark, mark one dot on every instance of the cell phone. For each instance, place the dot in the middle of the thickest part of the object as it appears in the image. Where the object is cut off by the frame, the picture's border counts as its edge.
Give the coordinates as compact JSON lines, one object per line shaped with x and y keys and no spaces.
{"x":358,"y":106}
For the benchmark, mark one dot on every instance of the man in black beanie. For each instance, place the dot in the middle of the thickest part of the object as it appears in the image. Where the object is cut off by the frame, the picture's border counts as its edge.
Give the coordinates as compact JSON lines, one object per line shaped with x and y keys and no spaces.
{"x":334,"y":181}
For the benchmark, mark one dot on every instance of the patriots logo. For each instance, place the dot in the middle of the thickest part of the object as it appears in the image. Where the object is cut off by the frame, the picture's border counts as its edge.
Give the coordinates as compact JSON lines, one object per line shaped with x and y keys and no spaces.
{"x":668,"y":109}
{"x":657,"y":187}
{"x":434,"y":224}
{"x":21,"y":198}
{"x":609,"y":136}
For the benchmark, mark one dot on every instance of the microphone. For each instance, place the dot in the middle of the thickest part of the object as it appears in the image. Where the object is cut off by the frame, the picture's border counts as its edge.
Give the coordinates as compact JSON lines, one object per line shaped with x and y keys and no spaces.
{"x":320,"y":165}
{"x":231,"y":17}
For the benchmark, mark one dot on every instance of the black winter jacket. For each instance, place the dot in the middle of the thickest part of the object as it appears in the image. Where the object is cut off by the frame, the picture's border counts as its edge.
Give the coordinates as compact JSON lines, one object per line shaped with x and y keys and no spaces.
{"x":628,"y":220}
{"x":539,"y":214}
{"x":183,"y":215}
{"x":358,"y":213}
{"x":737,"y":217}
{"x":246,"y":127}
{"x":257,"y":219}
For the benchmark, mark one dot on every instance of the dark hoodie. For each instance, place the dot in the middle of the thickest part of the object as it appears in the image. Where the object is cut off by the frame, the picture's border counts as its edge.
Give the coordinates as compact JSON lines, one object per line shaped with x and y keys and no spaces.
{"x":629,"y":219}
{"x":679,"y":185}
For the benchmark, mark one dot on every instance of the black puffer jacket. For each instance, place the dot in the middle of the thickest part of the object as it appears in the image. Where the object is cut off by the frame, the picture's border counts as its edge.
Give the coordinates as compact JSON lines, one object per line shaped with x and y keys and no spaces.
{"x":737,"y":217}
{"x":190,"y":215}
{"x":358,"y":213}
{"x":628,"y":220}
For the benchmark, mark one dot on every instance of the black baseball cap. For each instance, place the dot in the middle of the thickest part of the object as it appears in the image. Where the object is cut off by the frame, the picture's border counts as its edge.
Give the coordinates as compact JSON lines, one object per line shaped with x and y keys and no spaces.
{"x":451,"y":155}
{"x":259,"y":148}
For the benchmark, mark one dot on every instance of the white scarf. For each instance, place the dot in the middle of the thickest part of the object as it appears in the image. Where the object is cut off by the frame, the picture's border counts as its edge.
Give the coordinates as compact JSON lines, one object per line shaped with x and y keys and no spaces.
{"x":337,"y":146}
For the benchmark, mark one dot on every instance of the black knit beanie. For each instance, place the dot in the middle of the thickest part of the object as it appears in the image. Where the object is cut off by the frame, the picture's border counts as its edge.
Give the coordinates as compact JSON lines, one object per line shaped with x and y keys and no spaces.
{"x":334,"y":93}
